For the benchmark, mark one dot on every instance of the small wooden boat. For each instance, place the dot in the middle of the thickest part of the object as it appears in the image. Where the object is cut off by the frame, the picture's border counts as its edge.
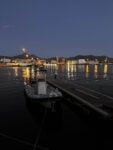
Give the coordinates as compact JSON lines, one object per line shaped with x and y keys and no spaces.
{"x":39,"y":91}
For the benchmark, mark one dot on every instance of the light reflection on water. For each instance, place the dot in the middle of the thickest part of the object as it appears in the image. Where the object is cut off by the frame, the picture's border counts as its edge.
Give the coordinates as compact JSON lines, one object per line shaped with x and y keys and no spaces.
{"x":75,"y":72}
{"x":71,"y":71}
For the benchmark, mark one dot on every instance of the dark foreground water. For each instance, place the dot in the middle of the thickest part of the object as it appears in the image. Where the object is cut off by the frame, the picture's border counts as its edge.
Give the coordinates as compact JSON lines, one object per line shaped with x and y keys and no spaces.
{"x":24,"y":126}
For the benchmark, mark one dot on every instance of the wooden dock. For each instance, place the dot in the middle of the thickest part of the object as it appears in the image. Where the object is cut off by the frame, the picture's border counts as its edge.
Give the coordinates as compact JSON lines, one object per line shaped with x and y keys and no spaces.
{"x":76,"y":94}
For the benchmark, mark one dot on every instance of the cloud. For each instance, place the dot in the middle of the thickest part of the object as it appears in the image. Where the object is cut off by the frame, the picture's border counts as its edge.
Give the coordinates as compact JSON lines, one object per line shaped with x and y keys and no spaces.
{"x":5,"y":27}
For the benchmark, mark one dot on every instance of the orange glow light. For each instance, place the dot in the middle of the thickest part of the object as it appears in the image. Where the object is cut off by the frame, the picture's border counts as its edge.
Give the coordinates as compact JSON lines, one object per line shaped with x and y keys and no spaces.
{"x":27,"y":55}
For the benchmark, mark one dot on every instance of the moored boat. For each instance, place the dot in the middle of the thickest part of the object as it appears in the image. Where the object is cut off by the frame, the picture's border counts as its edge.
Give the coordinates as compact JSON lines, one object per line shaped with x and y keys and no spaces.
{"x":37,"y":90}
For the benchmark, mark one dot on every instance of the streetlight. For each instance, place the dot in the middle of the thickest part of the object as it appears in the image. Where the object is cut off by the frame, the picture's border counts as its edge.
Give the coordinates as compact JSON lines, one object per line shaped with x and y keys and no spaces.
{"x":27,"y":55}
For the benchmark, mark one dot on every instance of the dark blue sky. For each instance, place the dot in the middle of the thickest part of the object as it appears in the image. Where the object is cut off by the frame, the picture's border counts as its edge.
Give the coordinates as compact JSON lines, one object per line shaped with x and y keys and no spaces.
{"x":56,"y":27}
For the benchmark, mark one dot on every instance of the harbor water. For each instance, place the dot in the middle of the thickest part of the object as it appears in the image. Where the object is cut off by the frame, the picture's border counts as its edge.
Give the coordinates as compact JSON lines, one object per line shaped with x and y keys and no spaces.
{"x":26,"y":126}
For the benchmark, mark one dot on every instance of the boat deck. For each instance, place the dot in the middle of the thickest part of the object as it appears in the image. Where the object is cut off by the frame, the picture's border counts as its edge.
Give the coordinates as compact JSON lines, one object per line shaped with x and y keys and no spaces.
{"x":49,"y":93}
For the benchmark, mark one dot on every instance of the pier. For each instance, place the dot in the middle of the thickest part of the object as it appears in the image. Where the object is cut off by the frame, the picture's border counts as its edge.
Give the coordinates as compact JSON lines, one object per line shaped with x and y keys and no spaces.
{"x":92,"y":102}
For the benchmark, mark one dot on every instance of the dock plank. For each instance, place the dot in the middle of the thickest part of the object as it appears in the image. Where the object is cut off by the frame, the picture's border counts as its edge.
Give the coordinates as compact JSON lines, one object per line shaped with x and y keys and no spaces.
{"x":92,"y":100}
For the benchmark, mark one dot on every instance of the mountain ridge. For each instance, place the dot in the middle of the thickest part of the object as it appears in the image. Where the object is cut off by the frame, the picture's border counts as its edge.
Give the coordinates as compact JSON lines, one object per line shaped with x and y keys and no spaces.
{"x":86,"y":57}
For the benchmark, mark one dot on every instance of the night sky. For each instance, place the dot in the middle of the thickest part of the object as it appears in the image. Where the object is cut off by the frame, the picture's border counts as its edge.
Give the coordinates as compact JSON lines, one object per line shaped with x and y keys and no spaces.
{"x":56,"y":27}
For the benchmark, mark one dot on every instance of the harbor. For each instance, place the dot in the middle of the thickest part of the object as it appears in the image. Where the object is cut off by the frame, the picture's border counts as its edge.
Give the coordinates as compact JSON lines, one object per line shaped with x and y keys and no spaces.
{"x":56,"y":75}
{"x":26,"y":126}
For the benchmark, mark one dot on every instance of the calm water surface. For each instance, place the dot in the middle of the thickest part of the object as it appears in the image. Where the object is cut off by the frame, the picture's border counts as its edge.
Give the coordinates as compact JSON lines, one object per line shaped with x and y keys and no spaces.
{"x":26,"y":126}
{"x":82,"y":72}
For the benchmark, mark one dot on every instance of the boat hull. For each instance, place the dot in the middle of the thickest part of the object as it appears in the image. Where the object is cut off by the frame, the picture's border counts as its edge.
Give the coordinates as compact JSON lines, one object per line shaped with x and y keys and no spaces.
{"x":45,"y":101}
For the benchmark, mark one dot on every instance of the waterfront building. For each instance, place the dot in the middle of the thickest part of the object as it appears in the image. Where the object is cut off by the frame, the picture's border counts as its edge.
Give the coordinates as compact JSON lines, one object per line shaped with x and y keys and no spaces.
{"x":81,"y":61}
{"x":93,"y":62}
{"x":71,"y":62}
{"x":5,"y":60}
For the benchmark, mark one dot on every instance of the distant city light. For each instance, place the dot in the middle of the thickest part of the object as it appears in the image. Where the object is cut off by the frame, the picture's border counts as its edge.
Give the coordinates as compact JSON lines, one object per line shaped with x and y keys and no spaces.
{"x":23,"y":50}
{"x":27,"y":55}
